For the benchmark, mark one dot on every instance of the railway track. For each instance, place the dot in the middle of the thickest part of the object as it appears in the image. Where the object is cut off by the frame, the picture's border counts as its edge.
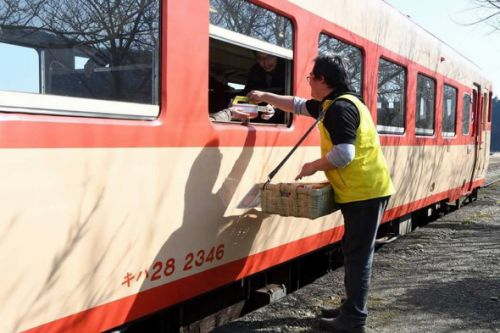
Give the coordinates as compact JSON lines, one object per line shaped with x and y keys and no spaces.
{"x":494,"y":164}
{"x":493,"y":175}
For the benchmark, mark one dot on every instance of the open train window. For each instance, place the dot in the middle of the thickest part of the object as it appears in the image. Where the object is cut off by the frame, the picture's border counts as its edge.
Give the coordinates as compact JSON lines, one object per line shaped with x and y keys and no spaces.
{"x":351,"y":55}
{"x":449,"y":110}
{"x":391,"y":98}
{"x":251,"y":48}
{"x":466,"y":114}
{"x":426,"y":95}
{"x":83,"y":69}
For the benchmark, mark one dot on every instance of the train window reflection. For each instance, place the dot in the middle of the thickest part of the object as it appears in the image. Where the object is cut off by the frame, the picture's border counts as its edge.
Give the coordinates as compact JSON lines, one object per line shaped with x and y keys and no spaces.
{"x":466,"y":114}
{"x":449,"y":110}
{"x":118,"y":43}
{"x":351,"y":55}
{"x":19,"y":69}
{"x":426,"y":95}
{"x":391,"y":98}
{"x":245,"y":18}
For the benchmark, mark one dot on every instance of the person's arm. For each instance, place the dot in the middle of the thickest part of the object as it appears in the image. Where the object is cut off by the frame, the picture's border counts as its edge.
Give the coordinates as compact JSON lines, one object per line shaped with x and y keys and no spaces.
{"x":310,"y":168}
{"x":339,"y":157}
{"x":284,"y":103}
{"x":222,"y":115}
{"x":231,"y":113}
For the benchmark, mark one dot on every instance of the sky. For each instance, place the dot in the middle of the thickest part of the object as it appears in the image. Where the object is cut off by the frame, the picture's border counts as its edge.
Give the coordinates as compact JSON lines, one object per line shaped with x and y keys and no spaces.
{"x":446,"y":19}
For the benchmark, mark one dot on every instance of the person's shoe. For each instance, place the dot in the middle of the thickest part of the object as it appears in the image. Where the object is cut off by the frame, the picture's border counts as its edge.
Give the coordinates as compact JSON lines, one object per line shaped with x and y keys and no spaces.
{"x":330,"y":312}
{"x":335,"y":326}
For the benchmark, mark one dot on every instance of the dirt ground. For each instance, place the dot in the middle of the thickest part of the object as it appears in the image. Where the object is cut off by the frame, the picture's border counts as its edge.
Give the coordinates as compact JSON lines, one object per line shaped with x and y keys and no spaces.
{"x":443,"y":277}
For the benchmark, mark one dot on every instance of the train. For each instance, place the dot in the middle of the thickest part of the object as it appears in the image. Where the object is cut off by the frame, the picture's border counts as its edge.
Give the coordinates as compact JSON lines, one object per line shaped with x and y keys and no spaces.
{"x":120,"y":197}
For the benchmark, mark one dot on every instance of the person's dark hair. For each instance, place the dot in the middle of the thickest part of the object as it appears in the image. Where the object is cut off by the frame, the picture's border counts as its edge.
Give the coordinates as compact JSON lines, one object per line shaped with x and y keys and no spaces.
{"x":332,"y":68}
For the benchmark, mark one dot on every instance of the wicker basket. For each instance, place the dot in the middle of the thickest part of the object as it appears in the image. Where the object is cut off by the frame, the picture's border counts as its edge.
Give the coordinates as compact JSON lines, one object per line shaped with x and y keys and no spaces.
{"x":309,"y":200}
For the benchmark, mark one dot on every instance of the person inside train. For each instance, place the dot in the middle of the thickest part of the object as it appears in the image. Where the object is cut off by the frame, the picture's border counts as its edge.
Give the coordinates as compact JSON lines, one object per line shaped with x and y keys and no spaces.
{"x":352,"y":159}
{"x":267,"y":74}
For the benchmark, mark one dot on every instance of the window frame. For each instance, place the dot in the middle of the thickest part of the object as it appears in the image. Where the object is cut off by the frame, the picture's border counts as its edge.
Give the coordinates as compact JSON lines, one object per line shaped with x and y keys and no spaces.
{"x":449,"y":135}
{"x":425,"y":132}
{"x":394,"y":130}
{"x":255,"y":44}
{"x":235,"y":38}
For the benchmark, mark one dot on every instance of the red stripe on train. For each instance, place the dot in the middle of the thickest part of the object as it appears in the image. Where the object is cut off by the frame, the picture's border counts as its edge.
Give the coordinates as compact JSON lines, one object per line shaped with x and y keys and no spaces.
{"x":129,"y":308}
{"x":451,"y":195}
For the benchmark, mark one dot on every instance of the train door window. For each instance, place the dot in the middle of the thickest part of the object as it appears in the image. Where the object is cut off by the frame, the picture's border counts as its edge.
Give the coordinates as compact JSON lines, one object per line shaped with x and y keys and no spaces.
{"x":426,"y":95}
{"x":474,"y":105}
{"x":391,"y":98}
{"x":251,"y":48}
{"x":449,"y":111}
{"x":485,"y":109}
{"x":351,"y":55}
{"x":105,"y":54}
{"x":466,"y":114}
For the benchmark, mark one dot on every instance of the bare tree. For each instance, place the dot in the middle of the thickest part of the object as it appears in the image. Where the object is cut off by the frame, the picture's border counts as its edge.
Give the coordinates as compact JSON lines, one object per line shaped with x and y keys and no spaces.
{"x":117,"y":36}
{"x":19,"y":13}
{"x":488,"y":12}
{"x":351,"y":56}
{"x":251,"y":20}
{"x":110,"y":28}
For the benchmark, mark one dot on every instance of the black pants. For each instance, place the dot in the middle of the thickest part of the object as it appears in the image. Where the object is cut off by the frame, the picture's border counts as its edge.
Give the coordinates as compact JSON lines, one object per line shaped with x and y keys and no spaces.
{"x":361,"y":222}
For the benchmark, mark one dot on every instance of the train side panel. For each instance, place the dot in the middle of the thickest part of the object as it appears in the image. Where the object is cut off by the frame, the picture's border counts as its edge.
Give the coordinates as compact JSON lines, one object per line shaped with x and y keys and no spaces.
{"x":106,"y":221}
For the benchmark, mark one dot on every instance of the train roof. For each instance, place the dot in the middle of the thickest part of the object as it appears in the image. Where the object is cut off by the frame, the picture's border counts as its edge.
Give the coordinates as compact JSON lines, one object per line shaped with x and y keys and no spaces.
{"x":381,"y":23}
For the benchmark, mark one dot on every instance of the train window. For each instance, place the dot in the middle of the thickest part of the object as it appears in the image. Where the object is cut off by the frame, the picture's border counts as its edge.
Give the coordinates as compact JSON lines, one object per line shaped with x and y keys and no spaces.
{"x":391,"y":98}
{"x":85,"y":52}
{"x":426,"y":95}
{"x":449,"y":110}
{"x":351,"y":55}
{"x":250,"y":48}
{"x":466,"y":114}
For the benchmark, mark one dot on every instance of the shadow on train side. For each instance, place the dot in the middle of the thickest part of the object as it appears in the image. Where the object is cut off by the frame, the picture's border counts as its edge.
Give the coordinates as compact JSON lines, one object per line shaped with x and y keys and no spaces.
{"x":200,"y":202}
{"x":77,"y":233}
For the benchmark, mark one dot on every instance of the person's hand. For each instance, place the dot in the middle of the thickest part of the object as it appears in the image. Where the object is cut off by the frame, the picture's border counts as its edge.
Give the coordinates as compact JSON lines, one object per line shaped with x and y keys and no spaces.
{"x":239,"y":114}
{"x":256,"y":96}
{"x":268,"y":113}
{"x":307,"y":170}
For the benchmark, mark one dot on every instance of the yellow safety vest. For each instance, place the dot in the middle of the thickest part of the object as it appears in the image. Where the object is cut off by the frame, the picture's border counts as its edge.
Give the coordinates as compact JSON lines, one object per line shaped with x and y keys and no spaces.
{"x":367,"y":176}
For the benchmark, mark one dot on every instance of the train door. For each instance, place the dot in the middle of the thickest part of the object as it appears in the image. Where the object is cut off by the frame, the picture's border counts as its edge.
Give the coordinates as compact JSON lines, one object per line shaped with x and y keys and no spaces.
{"x":485,"y":129}
{"x":476,"y":130}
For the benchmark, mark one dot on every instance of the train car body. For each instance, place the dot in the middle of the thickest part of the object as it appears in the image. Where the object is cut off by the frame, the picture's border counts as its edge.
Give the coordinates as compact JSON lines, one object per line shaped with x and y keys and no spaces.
{"x":114,"y":208}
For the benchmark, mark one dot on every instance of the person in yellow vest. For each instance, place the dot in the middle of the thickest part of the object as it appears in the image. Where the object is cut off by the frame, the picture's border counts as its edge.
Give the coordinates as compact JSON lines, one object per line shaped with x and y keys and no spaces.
{"x":352,"y":159}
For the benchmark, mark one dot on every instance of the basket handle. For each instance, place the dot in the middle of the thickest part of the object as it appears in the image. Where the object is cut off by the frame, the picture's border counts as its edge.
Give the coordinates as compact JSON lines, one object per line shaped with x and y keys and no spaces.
{"x":275,"y":171}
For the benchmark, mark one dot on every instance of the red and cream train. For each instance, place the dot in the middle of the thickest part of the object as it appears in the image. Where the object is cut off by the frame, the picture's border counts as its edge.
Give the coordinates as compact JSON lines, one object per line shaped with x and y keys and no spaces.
{"x":119,"y":196}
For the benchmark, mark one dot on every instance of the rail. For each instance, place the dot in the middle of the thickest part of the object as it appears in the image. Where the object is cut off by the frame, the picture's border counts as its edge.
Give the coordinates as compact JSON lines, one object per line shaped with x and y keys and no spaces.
{"x":492,"y":168}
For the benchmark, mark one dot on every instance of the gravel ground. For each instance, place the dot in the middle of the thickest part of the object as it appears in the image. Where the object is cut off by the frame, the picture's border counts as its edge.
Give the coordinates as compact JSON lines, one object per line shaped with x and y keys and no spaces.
{"x":442,"y":278}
